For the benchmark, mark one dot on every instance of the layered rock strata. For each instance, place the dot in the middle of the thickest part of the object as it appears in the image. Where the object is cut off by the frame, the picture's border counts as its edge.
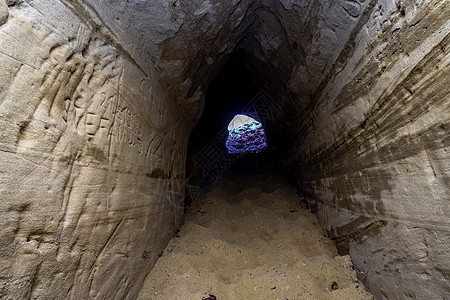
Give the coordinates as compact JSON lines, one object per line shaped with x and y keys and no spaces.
{"x":374,"y":154}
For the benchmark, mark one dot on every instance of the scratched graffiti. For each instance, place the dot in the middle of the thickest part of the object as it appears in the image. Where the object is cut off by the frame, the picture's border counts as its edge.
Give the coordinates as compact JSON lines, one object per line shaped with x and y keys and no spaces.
{"x":82,"y":89}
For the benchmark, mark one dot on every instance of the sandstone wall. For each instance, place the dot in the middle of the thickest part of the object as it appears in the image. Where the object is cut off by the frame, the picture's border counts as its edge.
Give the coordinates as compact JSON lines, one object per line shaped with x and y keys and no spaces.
{"x":373,"y":150}
{"x":97,"y":99}
{"x":91,"y":157}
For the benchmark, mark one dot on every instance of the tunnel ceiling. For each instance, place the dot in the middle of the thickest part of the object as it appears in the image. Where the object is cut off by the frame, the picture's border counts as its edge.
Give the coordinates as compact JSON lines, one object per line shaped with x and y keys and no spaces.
{"x":297,"y":41}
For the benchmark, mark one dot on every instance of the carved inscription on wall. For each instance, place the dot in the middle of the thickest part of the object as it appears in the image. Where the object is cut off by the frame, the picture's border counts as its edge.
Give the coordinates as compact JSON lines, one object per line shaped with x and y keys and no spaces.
{"x":82,"y":90}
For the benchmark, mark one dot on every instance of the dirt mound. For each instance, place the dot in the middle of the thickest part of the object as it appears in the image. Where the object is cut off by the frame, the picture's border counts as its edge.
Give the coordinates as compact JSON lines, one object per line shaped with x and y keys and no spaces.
{"x":250,"y":238}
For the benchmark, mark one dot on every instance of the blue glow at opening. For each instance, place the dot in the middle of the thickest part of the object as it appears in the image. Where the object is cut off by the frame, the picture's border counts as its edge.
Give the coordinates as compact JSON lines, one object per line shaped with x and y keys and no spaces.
{"x":245,"y":135}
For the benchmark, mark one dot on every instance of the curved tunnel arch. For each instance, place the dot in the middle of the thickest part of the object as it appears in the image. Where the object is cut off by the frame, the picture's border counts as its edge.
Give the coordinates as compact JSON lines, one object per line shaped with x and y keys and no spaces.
{"x":238,"y":88}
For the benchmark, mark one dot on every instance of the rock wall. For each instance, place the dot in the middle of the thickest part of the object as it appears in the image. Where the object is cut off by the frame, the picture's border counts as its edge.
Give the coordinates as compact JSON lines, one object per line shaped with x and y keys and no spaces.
{"x":186,"y":42}
{"x":373,"y":155}
{"x":92,"y":155}
{"x":97,"y":99}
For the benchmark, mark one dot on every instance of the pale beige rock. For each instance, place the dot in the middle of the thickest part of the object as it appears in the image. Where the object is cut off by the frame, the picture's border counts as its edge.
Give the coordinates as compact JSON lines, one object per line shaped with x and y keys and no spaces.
{"x":90,"y":197}
{"x":375,"y":160}
{"x":4,"y":13}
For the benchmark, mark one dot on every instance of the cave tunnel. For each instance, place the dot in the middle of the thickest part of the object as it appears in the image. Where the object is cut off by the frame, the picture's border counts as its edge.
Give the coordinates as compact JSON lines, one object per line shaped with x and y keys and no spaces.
{"x":113,"y":156}
{"x":235,"y":90}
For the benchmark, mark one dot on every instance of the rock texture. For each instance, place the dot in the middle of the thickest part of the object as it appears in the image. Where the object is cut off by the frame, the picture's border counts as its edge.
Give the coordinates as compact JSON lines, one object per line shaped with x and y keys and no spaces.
{"x":97,"y":100}
{"x":374,"y":155}
{"x":4,"y":13}
{"x":96,"y":103}
{"x":184,"y":41}
{"x":92,"y":159}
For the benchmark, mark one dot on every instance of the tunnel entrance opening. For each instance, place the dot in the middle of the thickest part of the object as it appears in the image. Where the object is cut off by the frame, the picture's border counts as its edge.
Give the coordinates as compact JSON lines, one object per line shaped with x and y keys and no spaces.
{"x":245,"y":135}
{"x":235,"y":89}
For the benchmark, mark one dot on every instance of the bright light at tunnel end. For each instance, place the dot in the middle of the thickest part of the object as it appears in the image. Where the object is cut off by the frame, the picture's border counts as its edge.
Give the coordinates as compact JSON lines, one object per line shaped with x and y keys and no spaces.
{"x":245,"y":135}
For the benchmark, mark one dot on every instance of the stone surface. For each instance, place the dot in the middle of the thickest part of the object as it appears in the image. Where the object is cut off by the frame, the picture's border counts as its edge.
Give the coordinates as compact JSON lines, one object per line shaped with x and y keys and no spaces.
{"x":374,"y":159}
{"x":97,"y":100}
{"x":91,"y":164}
{"x":185,"y":41}
{"x":4,"y":13}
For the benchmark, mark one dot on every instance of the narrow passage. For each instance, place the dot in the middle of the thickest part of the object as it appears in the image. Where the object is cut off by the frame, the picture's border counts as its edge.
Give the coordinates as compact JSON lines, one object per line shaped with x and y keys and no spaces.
{"x":251,"y":238}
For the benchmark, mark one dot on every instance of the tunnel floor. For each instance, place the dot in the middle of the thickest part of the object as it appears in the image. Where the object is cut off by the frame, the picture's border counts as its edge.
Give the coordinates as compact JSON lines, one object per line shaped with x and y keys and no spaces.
{"x":249,"y":237}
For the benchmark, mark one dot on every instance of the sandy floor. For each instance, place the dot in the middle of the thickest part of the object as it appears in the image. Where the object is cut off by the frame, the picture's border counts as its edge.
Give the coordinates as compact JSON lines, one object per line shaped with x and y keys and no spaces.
{"x":249,"y":238}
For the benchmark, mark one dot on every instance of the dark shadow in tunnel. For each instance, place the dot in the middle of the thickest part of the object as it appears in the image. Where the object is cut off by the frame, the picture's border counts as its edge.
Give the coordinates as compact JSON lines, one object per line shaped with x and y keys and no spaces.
{"x":233,"y":88}
{"x":230,"y":90}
